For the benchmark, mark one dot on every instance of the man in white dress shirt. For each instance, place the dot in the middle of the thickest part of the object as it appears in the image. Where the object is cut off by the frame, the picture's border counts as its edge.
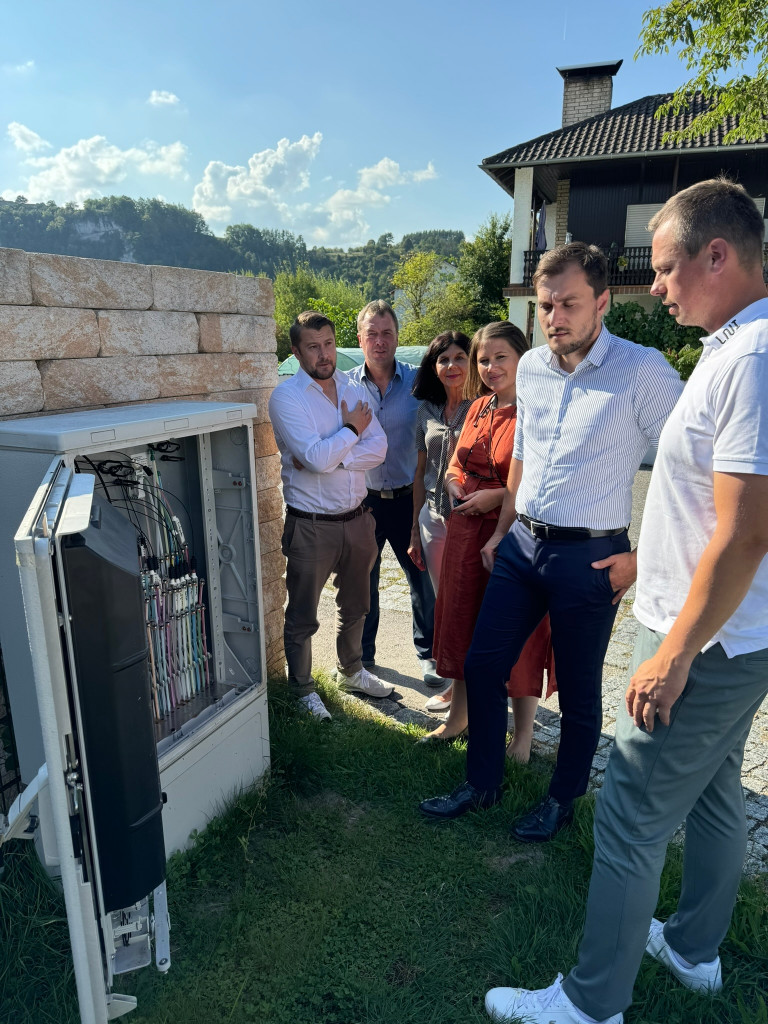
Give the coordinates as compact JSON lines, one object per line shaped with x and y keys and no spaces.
{"x":700,"y":667}
{"x":328,"y":437}
{"x":589,"y":405}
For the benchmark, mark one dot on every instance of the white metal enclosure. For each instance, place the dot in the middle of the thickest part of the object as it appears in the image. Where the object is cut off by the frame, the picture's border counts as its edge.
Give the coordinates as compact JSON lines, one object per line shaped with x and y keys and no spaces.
{"x":136,"y":522}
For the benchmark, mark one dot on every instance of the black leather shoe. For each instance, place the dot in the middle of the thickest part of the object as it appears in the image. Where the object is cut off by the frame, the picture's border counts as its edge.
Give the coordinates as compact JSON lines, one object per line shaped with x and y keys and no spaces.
{"x":543,"y":822}
{"x":464,"y":798}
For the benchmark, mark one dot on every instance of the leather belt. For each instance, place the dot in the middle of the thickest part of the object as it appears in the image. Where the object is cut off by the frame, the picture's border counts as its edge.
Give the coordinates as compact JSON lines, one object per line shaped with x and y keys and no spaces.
{"x":395,"y":492}
{"x":543,"y":531}
{"x":327,"y":517}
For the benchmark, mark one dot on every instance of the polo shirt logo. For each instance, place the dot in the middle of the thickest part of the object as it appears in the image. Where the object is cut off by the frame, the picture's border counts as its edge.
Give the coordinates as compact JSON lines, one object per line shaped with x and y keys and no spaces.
{"x":727,"y":332}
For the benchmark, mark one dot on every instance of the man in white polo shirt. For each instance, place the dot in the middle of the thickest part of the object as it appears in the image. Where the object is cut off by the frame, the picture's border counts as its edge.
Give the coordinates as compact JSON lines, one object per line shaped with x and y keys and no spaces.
{"x":328,"y":437}
{"x":700,"y":668}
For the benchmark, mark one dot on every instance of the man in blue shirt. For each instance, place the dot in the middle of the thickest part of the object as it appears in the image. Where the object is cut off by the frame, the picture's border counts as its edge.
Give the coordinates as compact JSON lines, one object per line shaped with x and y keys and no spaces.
{"x":390,"y":485}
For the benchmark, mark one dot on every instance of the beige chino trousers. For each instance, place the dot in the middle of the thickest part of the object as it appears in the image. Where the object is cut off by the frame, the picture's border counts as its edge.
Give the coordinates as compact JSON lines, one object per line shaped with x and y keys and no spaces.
{"x":314,"y":551}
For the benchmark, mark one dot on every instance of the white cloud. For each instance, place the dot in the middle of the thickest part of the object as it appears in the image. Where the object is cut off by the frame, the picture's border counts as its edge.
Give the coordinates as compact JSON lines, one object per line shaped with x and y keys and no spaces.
{"x":161,"y":98}
{"x":270,"y":174}
{"x":428,"y":174}
{"x":25,"y":139}
{"x":20,"y":69}
{"x":345,"y":210}
{"x":387,"y":173}
{"x":91,"y":167}
{"x":262,"y":193}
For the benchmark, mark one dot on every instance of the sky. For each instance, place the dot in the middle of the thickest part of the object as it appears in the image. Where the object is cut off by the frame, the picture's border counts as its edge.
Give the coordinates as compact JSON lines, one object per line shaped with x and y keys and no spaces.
{"x":337,"y":120}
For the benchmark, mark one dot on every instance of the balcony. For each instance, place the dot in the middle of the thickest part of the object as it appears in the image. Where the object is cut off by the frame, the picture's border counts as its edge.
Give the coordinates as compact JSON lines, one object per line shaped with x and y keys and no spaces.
{"x":626,"y":265}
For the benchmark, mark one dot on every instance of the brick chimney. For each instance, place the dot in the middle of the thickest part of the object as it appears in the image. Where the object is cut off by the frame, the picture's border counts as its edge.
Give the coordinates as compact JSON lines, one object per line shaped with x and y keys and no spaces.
{"x":587,"y":90}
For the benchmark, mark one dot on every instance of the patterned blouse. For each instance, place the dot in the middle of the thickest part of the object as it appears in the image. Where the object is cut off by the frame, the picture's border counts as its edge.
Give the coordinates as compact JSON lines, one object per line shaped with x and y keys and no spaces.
{"x":438,"y":439}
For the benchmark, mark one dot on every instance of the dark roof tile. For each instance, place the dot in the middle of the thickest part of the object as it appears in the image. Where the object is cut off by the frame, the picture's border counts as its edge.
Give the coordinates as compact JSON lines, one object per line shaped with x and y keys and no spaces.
{"x":631,"y":128}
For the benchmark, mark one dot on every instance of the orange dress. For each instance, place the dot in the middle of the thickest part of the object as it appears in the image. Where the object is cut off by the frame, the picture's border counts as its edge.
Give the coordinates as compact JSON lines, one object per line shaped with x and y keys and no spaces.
{"x":483,"y":455}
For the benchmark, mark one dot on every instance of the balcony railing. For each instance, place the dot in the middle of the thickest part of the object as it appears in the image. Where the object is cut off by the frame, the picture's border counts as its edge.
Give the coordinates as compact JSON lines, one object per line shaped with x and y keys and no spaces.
{"x":626,"y":265}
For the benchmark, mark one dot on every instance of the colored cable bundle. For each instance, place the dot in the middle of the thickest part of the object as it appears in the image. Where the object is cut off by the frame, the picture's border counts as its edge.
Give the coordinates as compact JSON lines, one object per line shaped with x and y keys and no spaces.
{"x":173,"y":593}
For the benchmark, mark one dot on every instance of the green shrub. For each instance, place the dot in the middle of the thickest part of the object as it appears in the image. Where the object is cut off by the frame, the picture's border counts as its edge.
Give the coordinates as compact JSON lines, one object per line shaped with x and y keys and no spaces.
{"x":655,"y":329}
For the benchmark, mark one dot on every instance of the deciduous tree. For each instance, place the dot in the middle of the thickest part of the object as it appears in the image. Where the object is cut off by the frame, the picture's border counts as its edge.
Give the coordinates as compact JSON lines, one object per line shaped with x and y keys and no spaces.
{"x":715,"y":39}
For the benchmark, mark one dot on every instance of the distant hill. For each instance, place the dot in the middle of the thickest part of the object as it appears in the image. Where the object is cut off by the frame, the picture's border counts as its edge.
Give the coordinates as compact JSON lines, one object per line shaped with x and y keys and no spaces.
{"x":155,"y":232}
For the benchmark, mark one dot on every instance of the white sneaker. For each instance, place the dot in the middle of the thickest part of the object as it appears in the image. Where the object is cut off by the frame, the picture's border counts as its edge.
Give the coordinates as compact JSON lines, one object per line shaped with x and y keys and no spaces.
{"x":312,"y":703}
{"x":706,"y":977}
{"x":363,"y":682}
{"x":539,"y":1006}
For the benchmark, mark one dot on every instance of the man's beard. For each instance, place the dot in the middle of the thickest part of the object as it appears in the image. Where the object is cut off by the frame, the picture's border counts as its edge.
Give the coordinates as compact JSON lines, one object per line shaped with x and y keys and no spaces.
{"x":323,"y":372}
{"x":583,"y":341}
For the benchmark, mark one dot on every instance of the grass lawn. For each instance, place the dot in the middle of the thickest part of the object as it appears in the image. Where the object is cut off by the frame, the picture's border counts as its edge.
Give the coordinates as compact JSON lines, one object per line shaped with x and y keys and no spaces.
{"x":324,"y":898}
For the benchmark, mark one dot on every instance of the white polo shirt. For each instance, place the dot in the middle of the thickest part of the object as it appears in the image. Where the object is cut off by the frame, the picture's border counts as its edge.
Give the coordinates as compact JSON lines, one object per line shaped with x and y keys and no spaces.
{"x":720,"y":425}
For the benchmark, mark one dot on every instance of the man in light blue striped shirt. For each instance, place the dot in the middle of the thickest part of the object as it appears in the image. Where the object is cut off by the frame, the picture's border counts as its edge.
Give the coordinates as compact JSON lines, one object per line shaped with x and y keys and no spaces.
{"x":588,"y":407}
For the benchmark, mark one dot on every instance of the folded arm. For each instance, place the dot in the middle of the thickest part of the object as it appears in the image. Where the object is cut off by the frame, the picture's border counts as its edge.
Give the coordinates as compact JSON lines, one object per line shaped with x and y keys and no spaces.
{"x":300,"y":437}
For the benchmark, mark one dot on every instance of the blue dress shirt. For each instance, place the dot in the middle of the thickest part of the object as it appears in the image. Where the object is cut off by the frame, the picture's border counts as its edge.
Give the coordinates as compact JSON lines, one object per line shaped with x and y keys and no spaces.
{"x":396,"y":411}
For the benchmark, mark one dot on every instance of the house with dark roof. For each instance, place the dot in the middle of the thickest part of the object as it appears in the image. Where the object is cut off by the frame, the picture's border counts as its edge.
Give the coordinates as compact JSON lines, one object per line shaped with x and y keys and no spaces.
{"x":601,"y":177}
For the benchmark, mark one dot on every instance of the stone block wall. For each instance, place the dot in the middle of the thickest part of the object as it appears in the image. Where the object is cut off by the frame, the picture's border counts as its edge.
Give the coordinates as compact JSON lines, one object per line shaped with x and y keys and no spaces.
{"x":84,"y":334}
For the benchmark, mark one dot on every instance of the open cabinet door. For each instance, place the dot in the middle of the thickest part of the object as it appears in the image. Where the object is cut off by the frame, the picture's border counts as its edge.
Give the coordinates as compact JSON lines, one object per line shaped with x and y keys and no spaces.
{"x":84,"y":606}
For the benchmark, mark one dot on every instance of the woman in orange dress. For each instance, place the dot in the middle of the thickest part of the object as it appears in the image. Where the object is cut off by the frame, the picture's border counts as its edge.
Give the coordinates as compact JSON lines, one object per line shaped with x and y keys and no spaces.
{"x":475,"y":480}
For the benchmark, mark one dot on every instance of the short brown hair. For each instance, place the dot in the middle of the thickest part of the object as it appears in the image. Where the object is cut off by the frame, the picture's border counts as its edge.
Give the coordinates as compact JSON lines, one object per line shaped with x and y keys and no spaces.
{"x":716,"y":208}
{"x":309,"y":320}
{"x":514,"y":337}
{"x":590,"y":258}
{"x":379,"y":307}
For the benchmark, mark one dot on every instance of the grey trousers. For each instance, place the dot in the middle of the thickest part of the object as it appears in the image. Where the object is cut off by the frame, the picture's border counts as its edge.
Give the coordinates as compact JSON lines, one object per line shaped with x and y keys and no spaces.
{"x":314,"y":551}
{"x":688,"y":771}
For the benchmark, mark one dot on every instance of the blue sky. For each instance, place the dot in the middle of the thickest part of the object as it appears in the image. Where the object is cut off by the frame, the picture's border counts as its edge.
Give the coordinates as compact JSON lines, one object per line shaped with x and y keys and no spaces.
{"x":336,"y":119}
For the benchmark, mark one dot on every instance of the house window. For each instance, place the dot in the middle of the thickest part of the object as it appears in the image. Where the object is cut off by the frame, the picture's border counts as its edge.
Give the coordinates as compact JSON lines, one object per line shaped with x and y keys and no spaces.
{"x":638,"y":214}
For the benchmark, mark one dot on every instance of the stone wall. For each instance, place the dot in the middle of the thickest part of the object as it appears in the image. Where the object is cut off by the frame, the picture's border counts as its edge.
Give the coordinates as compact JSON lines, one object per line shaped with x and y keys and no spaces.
{"x":84,"y":334}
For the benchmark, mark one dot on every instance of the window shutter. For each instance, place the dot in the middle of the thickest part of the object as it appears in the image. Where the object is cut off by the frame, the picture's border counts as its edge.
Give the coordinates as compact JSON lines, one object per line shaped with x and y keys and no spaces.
{"x":638,"y":215}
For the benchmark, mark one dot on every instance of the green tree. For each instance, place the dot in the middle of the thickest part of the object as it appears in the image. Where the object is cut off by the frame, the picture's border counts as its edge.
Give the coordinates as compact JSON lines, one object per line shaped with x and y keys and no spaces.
{"x":262,"y":250}
{"x":343,"y":318}
{"x":484,"y":267}
{"x":297,"y":290}
{"x":446,"y":243}
{"x":714,"y":38}
{"x":417,"y":278}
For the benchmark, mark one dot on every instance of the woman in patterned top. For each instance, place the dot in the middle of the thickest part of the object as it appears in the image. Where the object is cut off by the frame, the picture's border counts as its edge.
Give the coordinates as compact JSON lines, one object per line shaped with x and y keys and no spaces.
{"x":439,"y":385}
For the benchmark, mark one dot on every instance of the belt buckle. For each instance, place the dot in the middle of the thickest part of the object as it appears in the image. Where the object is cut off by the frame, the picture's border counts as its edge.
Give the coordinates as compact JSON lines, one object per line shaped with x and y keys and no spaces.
{"x":538,"y":529}
{"x":387,"y":494}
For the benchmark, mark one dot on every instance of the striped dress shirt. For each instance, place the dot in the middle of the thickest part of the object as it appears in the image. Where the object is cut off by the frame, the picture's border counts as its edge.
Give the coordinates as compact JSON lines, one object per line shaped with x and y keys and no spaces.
{"x":582,"y":435}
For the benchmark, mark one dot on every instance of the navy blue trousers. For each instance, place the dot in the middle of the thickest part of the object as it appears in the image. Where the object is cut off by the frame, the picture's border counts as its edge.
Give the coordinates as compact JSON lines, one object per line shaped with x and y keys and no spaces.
{"x":394,"y":517}
{"x":531,"y":577}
